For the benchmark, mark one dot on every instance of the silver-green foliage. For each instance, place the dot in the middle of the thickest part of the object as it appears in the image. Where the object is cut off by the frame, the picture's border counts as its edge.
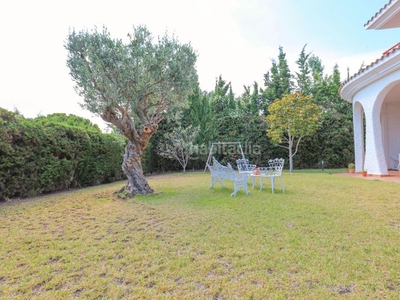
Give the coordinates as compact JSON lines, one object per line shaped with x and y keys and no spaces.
{"x":137,"y":80}
{"x":180,"y":145}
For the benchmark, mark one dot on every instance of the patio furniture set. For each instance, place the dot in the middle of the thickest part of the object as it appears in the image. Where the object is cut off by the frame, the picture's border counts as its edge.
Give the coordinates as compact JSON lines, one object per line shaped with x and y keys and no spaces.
{"x":245,"y":170}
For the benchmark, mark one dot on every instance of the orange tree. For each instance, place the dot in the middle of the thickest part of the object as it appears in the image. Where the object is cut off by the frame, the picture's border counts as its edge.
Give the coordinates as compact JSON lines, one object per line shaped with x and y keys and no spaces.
{"x":290,"y":119}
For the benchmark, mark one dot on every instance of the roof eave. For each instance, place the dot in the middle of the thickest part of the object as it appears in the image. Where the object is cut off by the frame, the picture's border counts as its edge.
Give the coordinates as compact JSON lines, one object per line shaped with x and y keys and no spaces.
{"x":381,"y":20}
{"x":369,"y":75}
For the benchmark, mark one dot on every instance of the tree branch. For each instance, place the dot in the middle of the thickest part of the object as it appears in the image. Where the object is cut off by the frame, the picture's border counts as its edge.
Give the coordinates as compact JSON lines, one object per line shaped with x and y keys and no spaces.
{"x":297,"y":146}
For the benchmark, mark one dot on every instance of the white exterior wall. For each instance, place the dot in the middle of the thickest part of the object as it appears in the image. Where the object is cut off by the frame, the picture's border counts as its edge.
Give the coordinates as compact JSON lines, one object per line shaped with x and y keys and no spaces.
{"x":375,"y":91}
{"x":390,"y":116}
{"x":382,"y":138}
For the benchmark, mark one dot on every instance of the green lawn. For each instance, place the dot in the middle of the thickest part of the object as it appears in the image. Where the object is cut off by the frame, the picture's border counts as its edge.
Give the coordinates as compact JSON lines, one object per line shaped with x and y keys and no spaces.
{"x":326,"y":237}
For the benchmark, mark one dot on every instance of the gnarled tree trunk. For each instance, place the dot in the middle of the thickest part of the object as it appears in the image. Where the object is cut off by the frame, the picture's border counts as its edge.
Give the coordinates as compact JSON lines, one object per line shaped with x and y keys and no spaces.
{"x":132,"y":167}
{"x":137,"y":143}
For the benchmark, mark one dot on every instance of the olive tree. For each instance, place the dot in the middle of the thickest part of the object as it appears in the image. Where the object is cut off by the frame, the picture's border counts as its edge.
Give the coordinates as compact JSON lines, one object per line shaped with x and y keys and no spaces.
{"x":131,"y":85}
{"x":179,"y":145}
{"x":290,"y":119}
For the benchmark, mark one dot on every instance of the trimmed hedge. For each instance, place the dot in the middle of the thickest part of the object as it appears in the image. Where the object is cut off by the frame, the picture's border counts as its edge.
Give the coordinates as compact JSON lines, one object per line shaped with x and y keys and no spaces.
{"x":39,"y":156}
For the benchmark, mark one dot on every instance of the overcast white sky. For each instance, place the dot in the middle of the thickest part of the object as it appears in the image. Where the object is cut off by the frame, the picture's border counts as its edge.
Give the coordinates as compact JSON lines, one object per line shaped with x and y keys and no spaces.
{"x":233,"y":38}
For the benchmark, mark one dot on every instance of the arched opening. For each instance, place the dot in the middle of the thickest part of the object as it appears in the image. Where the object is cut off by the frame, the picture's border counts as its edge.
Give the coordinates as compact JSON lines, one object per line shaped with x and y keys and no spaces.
{"x":390,"y":122}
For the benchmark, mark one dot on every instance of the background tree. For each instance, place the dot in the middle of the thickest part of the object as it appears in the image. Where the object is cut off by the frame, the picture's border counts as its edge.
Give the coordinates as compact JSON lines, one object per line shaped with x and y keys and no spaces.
{"x":278,"y":81}
{"x":131,"y":86}
{"x":179,"y":145}
{"x":223,"y":122}
{"x":251,"y":100}
{"x":221,"y":105}
{"x":290,"y":119}
{"x":222,"y":97}
{"x":303,"y":79}
{"x":333,"y":142}
{"x":198,"y":115}
{"x":317,"y":69}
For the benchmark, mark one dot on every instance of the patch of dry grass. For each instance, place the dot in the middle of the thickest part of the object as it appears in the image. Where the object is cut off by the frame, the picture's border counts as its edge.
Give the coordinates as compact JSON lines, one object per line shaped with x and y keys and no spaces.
{"x":324,"y":238}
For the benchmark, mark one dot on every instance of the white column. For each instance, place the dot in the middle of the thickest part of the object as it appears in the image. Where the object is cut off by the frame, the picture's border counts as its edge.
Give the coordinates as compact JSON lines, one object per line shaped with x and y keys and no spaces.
{"x":375,"y":162}
{"x":358,"y":116}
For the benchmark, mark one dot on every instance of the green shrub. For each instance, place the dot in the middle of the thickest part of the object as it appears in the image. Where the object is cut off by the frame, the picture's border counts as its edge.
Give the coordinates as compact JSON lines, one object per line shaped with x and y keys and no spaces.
{"x":45,"y":155}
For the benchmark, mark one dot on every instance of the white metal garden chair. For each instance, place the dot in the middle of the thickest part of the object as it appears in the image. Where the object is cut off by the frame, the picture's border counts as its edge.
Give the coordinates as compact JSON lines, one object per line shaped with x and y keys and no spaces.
{"x":274,"y":170}
{"x":244,"y":166}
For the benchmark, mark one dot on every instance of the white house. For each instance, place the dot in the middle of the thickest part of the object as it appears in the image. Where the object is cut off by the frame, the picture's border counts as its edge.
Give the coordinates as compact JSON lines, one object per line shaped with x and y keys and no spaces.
{"x":375,"y":94}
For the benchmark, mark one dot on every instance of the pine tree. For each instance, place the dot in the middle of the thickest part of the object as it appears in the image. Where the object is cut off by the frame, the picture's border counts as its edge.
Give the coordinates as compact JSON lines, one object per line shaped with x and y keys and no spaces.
{"x":303,"y":76}
{"x":278,"y":81}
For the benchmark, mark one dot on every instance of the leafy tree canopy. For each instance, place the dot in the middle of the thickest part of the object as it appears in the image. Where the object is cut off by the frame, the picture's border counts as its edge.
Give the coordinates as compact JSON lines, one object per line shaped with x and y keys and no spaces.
{"x":290,"y":119}
{"x":131,"y":85}
{"x":70,"y":120}
{"x":138,"y":80}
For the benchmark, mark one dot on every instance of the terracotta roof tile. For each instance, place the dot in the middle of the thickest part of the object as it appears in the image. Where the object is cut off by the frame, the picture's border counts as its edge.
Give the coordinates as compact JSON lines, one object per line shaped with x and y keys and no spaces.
{"x":385,"y":54}
{"x":378,"y":13}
